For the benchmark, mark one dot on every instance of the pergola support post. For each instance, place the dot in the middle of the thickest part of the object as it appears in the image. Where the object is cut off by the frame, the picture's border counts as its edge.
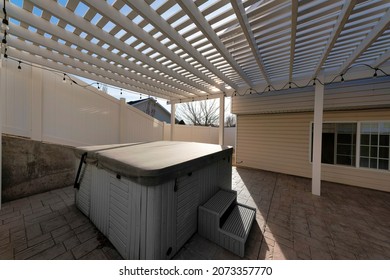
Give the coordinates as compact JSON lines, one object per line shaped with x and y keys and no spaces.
{"x":2,"y":92}
{"x":122,"y":120}
{"x":317,"y":138}
{"x":173,"y":119}
{"x":221,"y":120}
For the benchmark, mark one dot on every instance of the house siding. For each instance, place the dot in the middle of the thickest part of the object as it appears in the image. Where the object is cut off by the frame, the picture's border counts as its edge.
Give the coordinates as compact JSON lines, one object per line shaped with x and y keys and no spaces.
{"x":371,"y":93}
{"x":281,"y":143}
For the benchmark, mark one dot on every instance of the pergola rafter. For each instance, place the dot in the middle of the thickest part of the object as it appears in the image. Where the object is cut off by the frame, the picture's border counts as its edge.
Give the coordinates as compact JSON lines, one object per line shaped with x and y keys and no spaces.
{"x":98,"y":33}
{"x":242,"y":18}
{"x":342,"y":19}
{"x":173,"y":35}
{"x":379,"y":28}
{"x":126,"y":24}
{"x":196,"y":16}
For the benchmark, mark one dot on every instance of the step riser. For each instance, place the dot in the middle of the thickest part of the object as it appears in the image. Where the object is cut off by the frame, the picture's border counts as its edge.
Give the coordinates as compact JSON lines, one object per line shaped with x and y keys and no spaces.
{"x":225,"y":222}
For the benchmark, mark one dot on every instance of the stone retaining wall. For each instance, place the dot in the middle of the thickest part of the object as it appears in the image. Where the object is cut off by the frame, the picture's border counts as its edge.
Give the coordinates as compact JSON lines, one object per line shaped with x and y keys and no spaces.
{"x":30,"y":167}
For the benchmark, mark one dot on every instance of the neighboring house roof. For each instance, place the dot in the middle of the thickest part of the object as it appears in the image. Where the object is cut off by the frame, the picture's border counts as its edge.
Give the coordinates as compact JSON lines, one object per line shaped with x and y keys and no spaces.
{"x":158,"y":111}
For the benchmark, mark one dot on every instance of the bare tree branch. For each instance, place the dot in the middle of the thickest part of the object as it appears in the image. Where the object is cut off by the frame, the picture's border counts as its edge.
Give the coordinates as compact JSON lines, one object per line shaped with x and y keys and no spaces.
{"x":205,"y":113}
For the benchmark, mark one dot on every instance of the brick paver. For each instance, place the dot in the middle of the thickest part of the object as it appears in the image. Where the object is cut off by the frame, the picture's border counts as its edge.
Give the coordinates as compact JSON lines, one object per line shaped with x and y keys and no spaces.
{"x":49,"y":226}
{"x":344,"y":223}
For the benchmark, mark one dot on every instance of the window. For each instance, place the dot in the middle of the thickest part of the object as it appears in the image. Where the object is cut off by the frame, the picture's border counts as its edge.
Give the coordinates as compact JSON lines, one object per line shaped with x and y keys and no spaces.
{"x":374,"y":145}
{"x":339,"y":143}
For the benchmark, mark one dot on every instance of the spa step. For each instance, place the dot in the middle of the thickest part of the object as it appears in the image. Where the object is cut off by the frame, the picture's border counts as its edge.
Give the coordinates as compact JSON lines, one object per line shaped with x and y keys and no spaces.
{"x":235,"y":230}
{"x":222,"y":220}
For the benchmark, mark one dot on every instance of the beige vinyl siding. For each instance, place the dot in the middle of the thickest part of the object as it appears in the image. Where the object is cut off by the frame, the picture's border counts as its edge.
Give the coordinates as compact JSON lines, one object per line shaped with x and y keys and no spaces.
{"x":339,"y":96}
{"x":275,"y":142}
{"x":281,"y":143}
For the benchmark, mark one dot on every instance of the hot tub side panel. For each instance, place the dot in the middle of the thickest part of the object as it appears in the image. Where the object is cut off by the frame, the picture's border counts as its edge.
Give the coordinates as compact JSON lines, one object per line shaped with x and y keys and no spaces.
{"x":100,"y":194}
{"x":194,"y":190}
{"x":149,"y":222}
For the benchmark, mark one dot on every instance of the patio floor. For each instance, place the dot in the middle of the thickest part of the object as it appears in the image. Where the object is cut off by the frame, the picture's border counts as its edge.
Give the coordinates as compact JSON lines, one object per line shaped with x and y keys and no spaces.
{"x":344,"y":223}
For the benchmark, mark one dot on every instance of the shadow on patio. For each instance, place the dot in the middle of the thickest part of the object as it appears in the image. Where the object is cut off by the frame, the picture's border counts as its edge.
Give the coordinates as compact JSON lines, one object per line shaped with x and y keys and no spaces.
{"x":344,"y":223}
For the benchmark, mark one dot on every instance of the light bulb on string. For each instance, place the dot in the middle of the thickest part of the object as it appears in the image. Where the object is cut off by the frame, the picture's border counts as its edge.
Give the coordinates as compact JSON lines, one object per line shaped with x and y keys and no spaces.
{"x":375,"y":73}
{"x":19,"y":66}
{"x":64,"y":79}
{"x":4,"y":24}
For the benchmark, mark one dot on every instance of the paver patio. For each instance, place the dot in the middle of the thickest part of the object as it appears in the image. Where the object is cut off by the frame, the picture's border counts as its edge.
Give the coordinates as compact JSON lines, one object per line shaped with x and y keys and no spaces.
{"x":344,"y":223}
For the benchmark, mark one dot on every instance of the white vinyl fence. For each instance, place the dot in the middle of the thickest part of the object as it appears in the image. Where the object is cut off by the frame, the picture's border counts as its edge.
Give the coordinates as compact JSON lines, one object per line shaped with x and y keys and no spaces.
{"x":37,"y":104}
{"x":201,"y":134}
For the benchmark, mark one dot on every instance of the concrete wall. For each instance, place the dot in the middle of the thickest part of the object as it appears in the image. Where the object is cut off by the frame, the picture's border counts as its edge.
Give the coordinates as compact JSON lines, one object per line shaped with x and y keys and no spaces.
{"x":31,"y":167}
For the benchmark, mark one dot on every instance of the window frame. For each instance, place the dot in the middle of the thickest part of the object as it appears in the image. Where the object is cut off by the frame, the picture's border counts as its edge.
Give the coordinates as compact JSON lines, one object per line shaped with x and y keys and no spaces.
{"x":357,"y":145}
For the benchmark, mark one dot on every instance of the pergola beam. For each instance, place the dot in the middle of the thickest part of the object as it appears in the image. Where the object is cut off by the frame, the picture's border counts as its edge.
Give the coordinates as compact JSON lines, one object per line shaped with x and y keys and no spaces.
{"x":184,"y":100}
{"x":68,"y":16}
{"x":159,"y":23}
{"x":342,"y":19}
{"x":379,"y":28}
{"x":197,"y":18}
{"x":245,"y":26}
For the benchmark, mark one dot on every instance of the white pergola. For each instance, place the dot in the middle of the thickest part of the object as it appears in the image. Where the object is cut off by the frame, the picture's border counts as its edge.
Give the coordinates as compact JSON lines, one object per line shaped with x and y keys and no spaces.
{"x":186,"y":50}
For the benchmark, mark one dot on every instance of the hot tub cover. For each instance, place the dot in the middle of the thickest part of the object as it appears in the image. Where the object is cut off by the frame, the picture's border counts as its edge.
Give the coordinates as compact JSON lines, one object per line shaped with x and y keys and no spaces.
{"x":154,"y":163}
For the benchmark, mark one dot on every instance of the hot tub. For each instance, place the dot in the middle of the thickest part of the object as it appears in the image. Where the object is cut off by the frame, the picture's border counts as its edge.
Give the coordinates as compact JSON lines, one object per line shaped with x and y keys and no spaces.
{"x":144,"y":196}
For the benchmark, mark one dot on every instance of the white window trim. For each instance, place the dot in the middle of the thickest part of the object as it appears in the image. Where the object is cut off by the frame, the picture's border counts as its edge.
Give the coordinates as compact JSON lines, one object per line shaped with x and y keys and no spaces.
{"x":358,"y":134}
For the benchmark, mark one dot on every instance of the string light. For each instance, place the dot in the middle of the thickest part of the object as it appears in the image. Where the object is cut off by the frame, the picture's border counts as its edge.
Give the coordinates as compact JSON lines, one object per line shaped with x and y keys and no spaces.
{"x":4,"y":22}
{"x":235,"y":93}
{"x":310,"y":84}
{"x":64,"y":79}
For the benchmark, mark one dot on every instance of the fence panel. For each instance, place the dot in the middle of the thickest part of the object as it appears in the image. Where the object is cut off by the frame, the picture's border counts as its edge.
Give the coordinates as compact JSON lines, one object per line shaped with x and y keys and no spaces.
{"x":62,"y":113}
{"x":77,"y":116}
{"x":141,"y":127}
{"x":15,"y":99}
